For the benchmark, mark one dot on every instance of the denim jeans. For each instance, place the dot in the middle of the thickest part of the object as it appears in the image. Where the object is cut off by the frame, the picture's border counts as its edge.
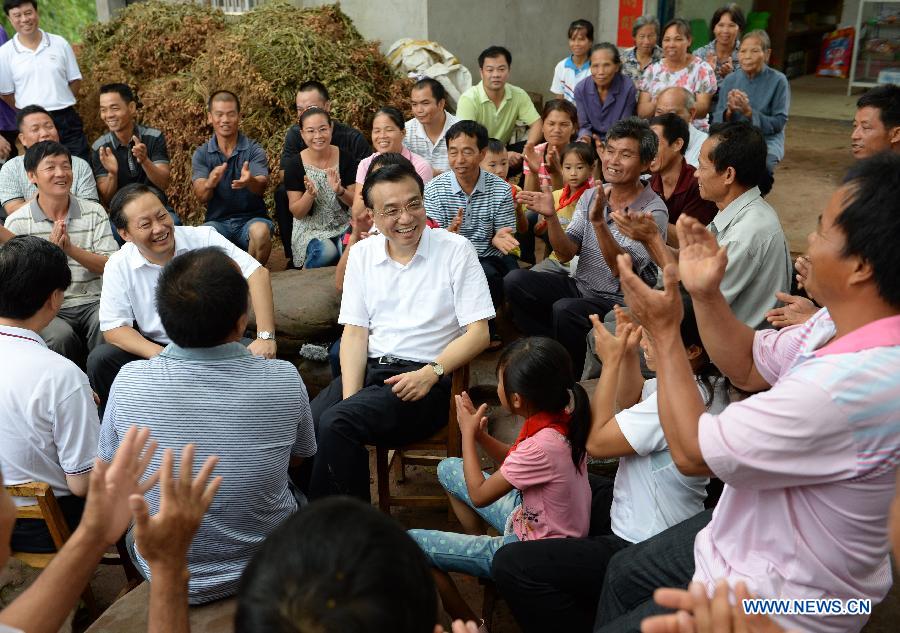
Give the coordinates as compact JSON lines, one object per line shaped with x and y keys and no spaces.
{"x":237,"y":230}
{"x":465,"y":553}
{"x":322,"y":253}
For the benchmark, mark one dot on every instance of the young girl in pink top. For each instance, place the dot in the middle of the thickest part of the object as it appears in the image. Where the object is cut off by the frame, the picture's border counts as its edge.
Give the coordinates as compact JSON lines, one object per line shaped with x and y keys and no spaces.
{"x":541,"y":488}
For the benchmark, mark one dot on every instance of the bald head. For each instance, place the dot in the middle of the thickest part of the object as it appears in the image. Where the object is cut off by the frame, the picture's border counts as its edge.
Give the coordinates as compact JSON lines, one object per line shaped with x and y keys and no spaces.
{"x":678,"y":101}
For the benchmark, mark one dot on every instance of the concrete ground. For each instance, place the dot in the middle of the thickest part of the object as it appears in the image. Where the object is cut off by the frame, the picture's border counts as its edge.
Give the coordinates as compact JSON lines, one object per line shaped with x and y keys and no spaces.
{"x":817,"y":157}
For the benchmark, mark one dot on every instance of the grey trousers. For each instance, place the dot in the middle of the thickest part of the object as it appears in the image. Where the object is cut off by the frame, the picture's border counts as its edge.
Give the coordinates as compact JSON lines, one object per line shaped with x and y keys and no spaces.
{"x":592,"y":364}
{"x":75,"y":331}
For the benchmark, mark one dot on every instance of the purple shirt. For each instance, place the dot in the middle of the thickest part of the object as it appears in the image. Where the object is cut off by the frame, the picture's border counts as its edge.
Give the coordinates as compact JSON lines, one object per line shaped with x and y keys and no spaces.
{"x":596,"y":117}
{"x":809,"y":470}
{"x":7,"y":114}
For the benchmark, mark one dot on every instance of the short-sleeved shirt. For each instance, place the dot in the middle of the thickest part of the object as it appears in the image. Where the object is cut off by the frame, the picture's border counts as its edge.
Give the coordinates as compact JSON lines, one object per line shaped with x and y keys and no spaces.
{"x":650,"y":494}
{"x":7,"y":114}
{"x":486,"y":210}
{"x":130,"y":171}
{"x":14,"y":183}
{"x":253,"y":413}
{"x":709,"y":50}
{"x":595,"y":116}
{"x":419,"y":164}
{"x":48,"y":419}
{"x":592,"y":275}
{"x":226,"y":202}
{"x":697,"y":76}
{"x":567,"y":75}
{"x":347,"y":139}
{"x":695,"y":144}
{"x":685,"y":197}
{"x":39,"y":77}
{"x":759,"y":262}
{"x":770,"y":101}
{"x":809,"y":470}
{"x":516,"y":107}
{"x":414,"y":311}
{"x":87,"y":226}
{"x":556,"y":497}
{"x":631,"y":67}
{"x":417,"y":141}
{"x":129,"y":281}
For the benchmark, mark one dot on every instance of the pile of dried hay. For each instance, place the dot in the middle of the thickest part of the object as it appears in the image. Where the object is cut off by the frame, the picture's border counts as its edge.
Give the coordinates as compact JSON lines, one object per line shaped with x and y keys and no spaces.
{"x":176,"y":54}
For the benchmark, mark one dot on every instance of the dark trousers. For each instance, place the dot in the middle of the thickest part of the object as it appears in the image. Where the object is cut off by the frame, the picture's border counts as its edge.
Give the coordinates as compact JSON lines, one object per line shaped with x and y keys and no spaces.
{"x":285,"y":222}
{"x":103,"y":365}
{"x":373,"y":415}
{"x":666,"y":560}
{"x":550,"y":304}
{"x":554,"y":584}
{"x":32,"y":535}
{"x":71,"y":132}
{"x":11,"y":137}
{"x":496,"y":267}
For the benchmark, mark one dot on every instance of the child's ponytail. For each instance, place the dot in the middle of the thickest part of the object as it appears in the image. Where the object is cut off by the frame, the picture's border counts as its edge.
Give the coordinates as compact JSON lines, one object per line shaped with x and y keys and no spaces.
{"x":579,"y":424}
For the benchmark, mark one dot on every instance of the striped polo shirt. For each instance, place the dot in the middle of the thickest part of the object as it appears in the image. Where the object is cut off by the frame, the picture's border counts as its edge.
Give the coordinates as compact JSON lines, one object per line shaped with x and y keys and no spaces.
{"x":88,"y":228}
{"x":417,"y":141}
{"x":592,"y":275}
{"x":252,"y":412}
{"x":487,"y":210}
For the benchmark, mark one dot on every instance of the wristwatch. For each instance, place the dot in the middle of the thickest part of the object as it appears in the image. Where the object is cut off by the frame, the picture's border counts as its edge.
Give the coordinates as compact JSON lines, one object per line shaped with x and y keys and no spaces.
{"x":437,"y":368}
{"x":266,"y":336}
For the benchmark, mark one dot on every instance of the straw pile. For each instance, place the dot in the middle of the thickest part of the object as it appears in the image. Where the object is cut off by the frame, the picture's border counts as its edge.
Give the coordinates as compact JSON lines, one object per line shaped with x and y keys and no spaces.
{"x":176,"y":54}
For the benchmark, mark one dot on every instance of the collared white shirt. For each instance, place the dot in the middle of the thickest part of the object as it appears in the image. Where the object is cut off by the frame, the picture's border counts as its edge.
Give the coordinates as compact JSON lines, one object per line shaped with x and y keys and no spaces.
{"x":695,"y":142}
{"x":417,"y":141}
{"x":41,"y":76}
{"x":414,"y":311}
{"x":129,"y":281}
{"x":48,"y":420}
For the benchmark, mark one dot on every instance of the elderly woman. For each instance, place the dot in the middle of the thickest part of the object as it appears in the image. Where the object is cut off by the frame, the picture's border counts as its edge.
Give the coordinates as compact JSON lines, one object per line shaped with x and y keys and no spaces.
{"x":320,"y":189}
{"x":678,"y":68}
{"x":604,"y":98}
{"x":645,"y":51}
{"x":757,"y":93}
{"x":721,"y":53}
{"x":559,"y":123}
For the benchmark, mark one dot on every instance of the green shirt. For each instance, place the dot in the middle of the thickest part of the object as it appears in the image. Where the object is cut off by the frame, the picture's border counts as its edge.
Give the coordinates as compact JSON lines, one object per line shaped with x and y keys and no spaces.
{"x":475,"y":105}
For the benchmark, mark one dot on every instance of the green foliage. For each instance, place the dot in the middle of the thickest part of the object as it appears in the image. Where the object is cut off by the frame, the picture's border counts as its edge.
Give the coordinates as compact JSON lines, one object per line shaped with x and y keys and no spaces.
{"x":63,"y":17}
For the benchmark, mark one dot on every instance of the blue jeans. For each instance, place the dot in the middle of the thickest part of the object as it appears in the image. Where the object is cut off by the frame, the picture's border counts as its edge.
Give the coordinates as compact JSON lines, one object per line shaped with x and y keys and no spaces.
{"x":465,"y":553}
{"x":322,"y":253}
{"x":237,"y":230}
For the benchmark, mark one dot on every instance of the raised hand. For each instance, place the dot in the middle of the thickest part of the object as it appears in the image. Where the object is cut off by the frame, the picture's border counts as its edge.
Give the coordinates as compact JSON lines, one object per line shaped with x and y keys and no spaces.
{"x":598,"y":205}
{"x":539,"y":201}
{"x":59,"y":235}
{"x":794,"y":311}
{"x":505,"y":241}
{"x":245,"y":178}
{"x":552,"y":161}
{"x":311,"y":188}
{"x":803,"y":267}
{"x":215,"y":176}
{"x":164,"y":538}
{"x":471,"y":420}
{"x":532,"y":158}
{"x":623,"y":319}
{"x":107,"y":512}
{"x":658,"y":311}
{"x":701,"y":261}
{"x":726,"y":68}
{"x":108,"y":160}
{"x":612,"y":348}
{"x":457,"y":221}
{"x":139,"y":151}
{"x":334,"y":179}
{"x":636,"y":225}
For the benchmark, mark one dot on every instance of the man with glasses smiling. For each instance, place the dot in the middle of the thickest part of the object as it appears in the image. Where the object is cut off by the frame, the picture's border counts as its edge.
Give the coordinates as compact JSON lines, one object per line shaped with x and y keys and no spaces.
{"x":415,"y":308}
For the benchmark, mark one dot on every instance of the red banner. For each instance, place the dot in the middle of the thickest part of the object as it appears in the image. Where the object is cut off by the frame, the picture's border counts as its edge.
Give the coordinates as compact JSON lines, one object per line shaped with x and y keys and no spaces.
{"x":629,"y":11}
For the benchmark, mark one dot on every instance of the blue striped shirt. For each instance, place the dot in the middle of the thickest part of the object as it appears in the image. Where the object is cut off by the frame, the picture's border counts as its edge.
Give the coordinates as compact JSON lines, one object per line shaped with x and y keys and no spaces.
{"x":251,"y":412}
{"x":487,"y":210}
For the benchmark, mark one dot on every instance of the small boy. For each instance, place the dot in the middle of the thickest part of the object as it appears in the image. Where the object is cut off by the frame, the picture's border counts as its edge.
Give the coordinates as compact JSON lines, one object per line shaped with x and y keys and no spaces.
{"x":576,"y":66}
{"x":496,"y":161}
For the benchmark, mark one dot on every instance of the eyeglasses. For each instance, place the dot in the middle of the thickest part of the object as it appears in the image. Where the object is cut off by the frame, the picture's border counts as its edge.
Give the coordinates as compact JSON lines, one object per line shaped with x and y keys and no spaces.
{"x":412,"y":207}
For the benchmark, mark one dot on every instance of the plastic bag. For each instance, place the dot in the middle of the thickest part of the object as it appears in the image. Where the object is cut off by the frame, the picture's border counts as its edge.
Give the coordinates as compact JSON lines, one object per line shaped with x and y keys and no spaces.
{"x":423,"y":58}
{"x":837,"y":52}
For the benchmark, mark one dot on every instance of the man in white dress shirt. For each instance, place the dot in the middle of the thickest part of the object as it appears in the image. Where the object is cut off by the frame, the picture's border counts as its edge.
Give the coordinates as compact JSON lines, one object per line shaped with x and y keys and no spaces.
{"x":128,"y":317}
{"x":415,"y":307}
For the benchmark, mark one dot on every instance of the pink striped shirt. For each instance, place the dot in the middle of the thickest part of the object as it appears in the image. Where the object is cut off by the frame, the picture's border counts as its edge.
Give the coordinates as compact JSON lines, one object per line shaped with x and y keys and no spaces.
{"x":809,"y":470}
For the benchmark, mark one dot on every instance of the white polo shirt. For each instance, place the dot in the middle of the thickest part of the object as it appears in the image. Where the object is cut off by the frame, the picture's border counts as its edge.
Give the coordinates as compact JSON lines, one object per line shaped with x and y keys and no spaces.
{"x":129,"y":281}
{"x":414,"y":311}
{"x":41,"y":76}
{"x":48,"y":420}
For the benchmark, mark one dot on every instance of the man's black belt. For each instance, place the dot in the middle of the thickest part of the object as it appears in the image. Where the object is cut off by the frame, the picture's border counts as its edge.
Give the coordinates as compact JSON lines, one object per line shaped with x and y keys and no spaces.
{"x":393,"y":360}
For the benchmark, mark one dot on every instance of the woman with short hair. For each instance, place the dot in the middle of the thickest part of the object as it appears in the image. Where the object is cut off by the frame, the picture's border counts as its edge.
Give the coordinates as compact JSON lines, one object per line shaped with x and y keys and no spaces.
{"x":646,"y":49}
